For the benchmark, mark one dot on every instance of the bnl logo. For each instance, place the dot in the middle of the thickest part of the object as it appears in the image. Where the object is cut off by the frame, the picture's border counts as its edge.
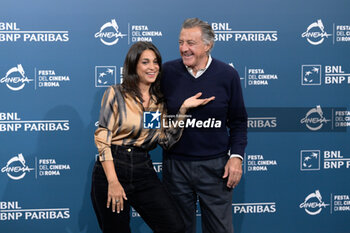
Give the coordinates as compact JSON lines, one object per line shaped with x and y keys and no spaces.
{"x":151,"y":120}
{"x":310,"y":75}
{"x":105,"y":76}
{"x":309,"y":160}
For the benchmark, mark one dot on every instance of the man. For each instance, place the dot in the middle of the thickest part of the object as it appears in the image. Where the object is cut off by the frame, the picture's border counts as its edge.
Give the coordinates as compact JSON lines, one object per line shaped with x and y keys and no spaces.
{"x":206,"y":163}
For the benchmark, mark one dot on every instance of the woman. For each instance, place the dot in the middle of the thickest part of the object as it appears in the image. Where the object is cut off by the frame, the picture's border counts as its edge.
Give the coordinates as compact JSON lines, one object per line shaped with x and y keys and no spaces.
{"x":124,"y":174}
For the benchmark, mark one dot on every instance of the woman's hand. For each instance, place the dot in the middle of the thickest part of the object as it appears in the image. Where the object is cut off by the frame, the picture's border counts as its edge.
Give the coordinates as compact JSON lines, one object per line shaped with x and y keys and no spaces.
{"x":116,"y":196}
{"x":193,"y":102}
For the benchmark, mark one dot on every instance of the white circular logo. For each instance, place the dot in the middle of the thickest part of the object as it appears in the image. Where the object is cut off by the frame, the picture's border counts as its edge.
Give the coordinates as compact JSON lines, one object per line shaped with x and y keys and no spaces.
{"x":109,"y":34}
{"x":315,"y":33}
{"x":16,"y":167}
{"x":313,"y":203}
{"x":15,"y":78}
{"x":314,"y":119}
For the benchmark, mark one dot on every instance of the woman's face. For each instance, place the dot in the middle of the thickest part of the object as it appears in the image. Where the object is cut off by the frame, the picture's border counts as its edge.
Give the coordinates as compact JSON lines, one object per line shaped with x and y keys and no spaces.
{"x":147,"y":67}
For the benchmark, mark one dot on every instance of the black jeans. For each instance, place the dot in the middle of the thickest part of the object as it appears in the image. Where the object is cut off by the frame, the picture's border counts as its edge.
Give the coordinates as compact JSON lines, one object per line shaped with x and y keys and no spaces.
{"x":143,"y":189}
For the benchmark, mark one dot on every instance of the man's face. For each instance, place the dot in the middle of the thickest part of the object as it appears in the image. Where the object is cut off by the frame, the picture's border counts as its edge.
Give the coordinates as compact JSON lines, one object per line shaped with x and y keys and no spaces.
{"x":192,"y":48}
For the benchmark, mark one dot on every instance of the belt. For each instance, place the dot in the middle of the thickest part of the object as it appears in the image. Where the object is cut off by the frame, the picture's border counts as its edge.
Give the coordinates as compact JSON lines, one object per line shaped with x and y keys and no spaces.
{"x":128,"y":149}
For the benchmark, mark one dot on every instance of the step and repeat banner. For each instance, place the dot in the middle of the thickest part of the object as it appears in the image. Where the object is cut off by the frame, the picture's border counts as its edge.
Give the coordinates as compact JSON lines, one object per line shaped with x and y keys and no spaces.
{"x":57,"y":58}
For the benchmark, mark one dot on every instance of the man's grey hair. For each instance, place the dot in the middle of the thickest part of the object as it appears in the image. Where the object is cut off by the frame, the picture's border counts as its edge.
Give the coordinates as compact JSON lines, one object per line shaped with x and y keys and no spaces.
{"x":208,"y":34}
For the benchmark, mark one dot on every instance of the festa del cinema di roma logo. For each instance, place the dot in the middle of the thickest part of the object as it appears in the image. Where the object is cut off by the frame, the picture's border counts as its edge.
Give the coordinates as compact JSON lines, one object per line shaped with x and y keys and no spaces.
{"x":315,"y":33}
{"x":16,"y":167}
{"x":109,"y":34}
{"x":314,"y":119}
{"x":15,"y":78}
{"x":313,"y":203}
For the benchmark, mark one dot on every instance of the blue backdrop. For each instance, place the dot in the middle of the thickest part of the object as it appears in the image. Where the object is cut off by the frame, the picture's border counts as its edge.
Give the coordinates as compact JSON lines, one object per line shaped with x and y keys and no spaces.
{"x":58,"y":57}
